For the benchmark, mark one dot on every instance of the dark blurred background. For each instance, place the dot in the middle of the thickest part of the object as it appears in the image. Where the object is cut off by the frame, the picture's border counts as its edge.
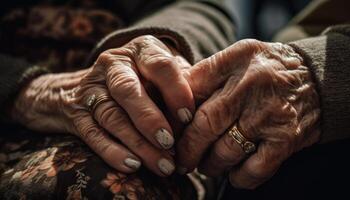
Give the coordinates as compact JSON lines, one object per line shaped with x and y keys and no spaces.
{"x":261,"y":19}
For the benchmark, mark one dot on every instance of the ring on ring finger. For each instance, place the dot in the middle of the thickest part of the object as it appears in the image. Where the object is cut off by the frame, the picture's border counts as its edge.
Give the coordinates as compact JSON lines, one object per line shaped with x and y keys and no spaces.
{"x":247,"y":146}
{"x":93,"y":101}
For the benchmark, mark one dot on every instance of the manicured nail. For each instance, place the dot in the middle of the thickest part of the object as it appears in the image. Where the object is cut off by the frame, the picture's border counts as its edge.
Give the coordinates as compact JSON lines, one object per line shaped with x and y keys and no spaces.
{"x":181,"y":170}
{"x":165,"y":166}
{"x":164,"y":138}
{"x":132,"y":163}
{"x":184,"y":115}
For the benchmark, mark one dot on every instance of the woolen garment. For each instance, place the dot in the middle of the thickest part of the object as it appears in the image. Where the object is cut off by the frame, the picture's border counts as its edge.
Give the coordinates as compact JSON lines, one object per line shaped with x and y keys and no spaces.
{"x":321,"y":34}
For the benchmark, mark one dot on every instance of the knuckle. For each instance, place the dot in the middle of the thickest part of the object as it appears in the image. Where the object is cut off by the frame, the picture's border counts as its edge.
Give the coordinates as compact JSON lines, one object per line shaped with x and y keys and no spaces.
{"x":202,"y":123}
{"x":163,"y":62}
{"x":144,"y":38}
{"x":89,"y":132}
{"x":250,"y":44}
{"x":250,"y":41}
{"x":150,"y":118}
{"x":223,"y":155}
{"x":124,"y":85}
{"x":142,"y":43}
{"x":259,"y":75}
{"x":112,"y":117}
{"x":158,"y":60}
{"x":137,"y":143}
{"x":214,"y":117}
{"x":233,"y":152}
{"x":93,"y":137}
{"x":162,"y":65}
{"x":105,"y":58}
{"x":260,"y":170}
{"x":149,"y":38}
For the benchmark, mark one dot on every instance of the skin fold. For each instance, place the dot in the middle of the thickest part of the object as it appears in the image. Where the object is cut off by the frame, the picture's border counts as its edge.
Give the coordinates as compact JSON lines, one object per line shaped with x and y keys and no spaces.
{"x":129,"y":128}
{"x":265,"y":89}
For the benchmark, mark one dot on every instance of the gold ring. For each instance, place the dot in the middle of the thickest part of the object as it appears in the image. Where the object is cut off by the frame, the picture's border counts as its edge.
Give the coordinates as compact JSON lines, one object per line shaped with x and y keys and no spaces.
{"x":92,"y":101}
{"x":247,"y":146}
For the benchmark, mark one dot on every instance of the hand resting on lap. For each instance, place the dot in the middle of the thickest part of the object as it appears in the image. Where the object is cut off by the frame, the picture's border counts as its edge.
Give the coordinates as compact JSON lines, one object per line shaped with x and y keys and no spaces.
{"x":108,"y":107}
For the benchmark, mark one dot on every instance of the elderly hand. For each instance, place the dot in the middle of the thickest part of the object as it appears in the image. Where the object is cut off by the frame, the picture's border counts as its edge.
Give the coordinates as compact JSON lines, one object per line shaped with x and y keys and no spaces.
{"x":108,"y":107}
{"x":266,"y":91}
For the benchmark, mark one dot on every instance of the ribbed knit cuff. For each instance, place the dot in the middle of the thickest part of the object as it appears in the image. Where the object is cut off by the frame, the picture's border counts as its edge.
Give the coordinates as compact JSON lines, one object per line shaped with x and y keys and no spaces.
{"x":327,"y":57}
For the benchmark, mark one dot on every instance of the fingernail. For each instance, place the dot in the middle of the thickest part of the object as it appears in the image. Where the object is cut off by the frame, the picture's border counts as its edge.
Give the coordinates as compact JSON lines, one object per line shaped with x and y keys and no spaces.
{"x":165,"y":166}
{"x":184,"y":115}
{"x":132,"y":163}
{"x":181,"y":170}
{"x":164,"y":138}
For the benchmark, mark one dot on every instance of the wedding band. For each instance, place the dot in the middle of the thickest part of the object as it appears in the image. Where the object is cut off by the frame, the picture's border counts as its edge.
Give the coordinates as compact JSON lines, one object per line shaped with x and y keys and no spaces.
{"x":92,"y":101}
{"x":247,"y":146}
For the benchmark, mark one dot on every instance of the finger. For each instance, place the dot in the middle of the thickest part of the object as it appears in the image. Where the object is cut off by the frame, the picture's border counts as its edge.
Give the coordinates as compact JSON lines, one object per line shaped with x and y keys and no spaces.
{"x":259,"y":167}
{"x":114,"y":119}
{"x":110,"y":151}
{"x":209,"y":74}
{"x":225,"y":153}
{"x":158,"y":65}
{"x":212,"y":119}
{"x":126,"y":89}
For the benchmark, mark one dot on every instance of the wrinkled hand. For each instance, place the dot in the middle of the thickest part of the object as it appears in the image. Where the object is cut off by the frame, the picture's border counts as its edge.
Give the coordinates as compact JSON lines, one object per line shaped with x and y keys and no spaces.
{"x":57,"y":102}
{"x":266,"y":90}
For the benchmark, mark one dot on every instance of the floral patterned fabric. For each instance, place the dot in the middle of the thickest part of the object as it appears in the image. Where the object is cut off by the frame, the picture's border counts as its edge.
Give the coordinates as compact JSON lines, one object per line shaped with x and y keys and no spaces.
{"x":59,"y":37}
{"x":37,"y":166}
{"x":43,"y":166}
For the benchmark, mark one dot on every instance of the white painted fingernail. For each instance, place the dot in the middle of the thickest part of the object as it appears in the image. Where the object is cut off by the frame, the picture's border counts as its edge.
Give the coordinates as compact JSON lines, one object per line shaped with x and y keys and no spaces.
{"x":184,"y":115}
{"x":132,"y":163}
{"x":165,"y":166}
{"x":181,"y":170}
{"x":164,"y":138}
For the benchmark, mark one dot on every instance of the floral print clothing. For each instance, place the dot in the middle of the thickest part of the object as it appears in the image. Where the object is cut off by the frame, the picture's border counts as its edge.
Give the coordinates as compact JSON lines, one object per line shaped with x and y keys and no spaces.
{"x":37,"y":166}
{"x":59,"y":37}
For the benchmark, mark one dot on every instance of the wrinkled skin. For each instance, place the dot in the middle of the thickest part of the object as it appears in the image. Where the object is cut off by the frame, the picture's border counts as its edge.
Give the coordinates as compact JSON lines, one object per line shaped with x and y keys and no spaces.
{"x":263,"y":87}
{"x":268,"y":92}
{"x":57,"y":103}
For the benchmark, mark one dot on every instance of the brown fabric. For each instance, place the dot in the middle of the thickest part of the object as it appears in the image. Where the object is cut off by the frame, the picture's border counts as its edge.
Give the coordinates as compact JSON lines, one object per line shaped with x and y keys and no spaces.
{"x":55,"y":37}
{"x":327,"y":55}
{"x":328,"y":58}
{"x":197,"y":30}
{"x":33,"y":166}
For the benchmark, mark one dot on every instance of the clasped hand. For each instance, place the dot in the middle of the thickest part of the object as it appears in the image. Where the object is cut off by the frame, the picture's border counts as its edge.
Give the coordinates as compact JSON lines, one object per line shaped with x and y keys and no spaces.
{"x":150,"y":92}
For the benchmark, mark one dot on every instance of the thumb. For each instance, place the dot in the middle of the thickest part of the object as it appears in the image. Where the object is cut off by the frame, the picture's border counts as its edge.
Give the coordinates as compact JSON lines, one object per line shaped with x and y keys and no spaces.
{"x":209,"y":74}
